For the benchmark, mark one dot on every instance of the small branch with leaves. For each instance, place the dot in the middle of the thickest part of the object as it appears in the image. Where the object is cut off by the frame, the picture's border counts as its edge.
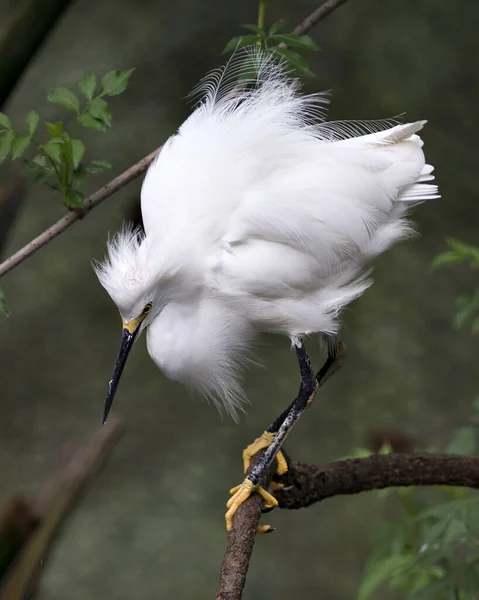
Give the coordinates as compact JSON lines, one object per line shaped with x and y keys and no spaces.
{"x":58,"y":161}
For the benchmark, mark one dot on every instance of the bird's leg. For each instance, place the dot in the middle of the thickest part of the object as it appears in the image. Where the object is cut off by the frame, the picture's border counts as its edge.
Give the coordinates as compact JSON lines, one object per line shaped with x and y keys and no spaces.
{"x":275,"y":435}
{"x":269,"y":434}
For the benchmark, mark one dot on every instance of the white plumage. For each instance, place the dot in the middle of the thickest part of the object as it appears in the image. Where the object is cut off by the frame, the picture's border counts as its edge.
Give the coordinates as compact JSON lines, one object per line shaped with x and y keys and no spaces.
{"x":259,"y":216}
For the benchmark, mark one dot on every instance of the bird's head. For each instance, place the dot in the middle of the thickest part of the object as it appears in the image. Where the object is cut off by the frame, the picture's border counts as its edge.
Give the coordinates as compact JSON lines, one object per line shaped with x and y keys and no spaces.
{"x":133,"y":281}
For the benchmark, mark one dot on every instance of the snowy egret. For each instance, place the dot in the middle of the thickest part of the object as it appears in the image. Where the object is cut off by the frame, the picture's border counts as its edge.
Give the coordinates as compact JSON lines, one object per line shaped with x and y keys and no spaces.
{"x":259,"y":216}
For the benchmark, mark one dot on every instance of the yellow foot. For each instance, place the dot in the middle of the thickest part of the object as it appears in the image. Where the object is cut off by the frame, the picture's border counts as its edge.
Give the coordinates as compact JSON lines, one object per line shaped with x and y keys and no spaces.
{"x":260,"y":444}
{"x":240,"y":494}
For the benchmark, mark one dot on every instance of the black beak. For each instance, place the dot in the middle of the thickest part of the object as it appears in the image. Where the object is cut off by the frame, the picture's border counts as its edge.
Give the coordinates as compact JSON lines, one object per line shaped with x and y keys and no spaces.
{"x":127,"y":339}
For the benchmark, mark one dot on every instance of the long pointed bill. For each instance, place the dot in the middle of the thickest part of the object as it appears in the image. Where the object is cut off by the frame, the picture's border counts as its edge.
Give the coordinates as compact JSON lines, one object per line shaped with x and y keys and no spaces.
{"x":128,"y":336}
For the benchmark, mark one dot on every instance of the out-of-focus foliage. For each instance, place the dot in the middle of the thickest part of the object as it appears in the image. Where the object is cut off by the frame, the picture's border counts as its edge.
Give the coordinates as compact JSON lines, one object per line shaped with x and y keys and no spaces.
{"x":432,"y":550}
{"x":467,"y":306}
{"x":58,"y":162}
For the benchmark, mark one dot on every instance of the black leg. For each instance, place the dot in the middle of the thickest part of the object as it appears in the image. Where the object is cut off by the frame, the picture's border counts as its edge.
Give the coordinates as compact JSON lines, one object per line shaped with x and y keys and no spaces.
{"x":272,"y":439}
{"x":286,"y":421}
{"x":276,"y":424}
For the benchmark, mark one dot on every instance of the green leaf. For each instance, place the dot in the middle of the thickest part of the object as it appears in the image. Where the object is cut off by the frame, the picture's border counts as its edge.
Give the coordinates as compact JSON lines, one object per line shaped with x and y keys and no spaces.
{"x":32,"y":121}
{"x":78,"y":150}
{"x":91,"y":123}
{"x":293,"y":60}
{"x":475,"y":326}
{"x":6,"y":141}
{"x":463,"y":442}
{"x":444,"y":510}
{"x":472,"y":580}
{"x":446,"y":258}
{"x":98,"y":166}
{"x":115,"y":82}
{"x":467,"y":251}
{"x":379,"y":572}
{"x":40,"y":160}
{"x":19,"y":145}
{"x":54,"y":129}
{"x":463,"y":300}
{"x":5,"y":121}
{"x":239,"y":42}
{"x":303,"y":42}
{"x":64,"y":97}
{"x":74,"y":199}
{"x":38,"y":163}
{"x":456,"y":244}
{"x":79,"y":174}
{"x":99,"y":110}
{"x":254,"y":29}
{"x":463,"y":315}
{"x":275,"y":27}
{"x":3,"y":305}
{"x":53,"y":149}
{"x":87,"y":85}
{"x":42,"y":177}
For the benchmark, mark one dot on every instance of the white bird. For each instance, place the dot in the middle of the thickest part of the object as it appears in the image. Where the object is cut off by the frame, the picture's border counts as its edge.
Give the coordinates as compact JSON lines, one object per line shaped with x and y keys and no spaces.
{"x":259,"y":216}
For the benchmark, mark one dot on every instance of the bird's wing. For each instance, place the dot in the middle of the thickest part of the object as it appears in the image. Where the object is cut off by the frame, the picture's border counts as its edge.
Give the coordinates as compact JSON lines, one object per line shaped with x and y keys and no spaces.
{"x":324,"y":217}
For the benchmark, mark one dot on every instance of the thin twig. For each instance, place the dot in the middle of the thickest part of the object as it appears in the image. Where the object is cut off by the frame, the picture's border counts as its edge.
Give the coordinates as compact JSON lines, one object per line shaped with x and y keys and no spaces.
{"x":74,"y":215}
{"x":318,"y":15}
{"x":241,"y":538}
{"x":133,"y":172}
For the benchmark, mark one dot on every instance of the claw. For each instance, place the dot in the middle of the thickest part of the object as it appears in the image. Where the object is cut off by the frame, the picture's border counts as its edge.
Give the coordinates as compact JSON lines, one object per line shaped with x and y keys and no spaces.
{"x":263,"y":529}
{"x":260,"y":444}
{"x":240,"y":494}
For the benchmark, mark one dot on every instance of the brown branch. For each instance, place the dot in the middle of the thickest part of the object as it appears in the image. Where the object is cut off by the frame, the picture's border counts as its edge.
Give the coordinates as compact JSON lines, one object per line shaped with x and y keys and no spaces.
{"x":318,"y":15}
{"x":133,"y":172}
{"x":238,"y":551}
{"x":314,"y":483}
{"x":242,"y":535}
{"x":307,"y":484}
{"x":53,"y":504}
{"x":74,"y":215}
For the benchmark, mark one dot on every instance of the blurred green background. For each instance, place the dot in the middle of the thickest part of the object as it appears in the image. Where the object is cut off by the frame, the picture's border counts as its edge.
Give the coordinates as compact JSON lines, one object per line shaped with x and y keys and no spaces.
{"x":152,"y":522}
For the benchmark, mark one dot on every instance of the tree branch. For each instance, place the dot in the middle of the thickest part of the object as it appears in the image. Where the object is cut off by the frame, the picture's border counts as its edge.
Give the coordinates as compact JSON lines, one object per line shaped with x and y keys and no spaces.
{"x":306,"y":484}
{"x":314,"y":483}
{"x":239,"y":548}
{"x":318,"y":15}
{"x":52,"y":506}
{"x":242,"y":536}
{"x":133,"y":172}
{"x":74,"y":215}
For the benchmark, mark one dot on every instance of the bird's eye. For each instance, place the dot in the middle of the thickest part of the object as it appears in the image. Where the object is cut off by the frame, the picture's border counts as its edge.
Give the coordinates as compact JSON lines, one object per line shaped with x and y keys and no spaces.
{"x":147,"y":308}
